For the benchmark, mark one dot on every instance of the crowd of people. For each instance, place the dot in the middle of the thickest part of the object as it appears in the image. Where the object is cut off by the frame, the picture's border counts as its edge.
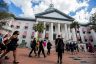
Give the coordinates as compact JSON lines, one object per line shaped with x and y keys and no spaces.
{"x":9,"y":43}
{"x":39,"y":47}
{"x":72,"y":47}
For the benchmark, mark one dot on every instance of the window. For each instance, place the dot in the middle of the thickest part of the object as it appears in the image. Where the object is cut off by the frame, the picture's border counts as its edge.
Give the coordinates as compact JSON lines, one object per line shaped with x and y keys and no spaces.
{"x":46,"y":36}
{"x":47,"y":27}
{"x":24,"y":36}
{"x":54,"y":28}
{"x":79,"y":39}
{"x":12,"y":26}
{"x":89,"y":32}
{"x":54,"y":36}
{"x":83,"y":32}
{"x":91,"y":40}
{"x":85,"y":40}
{"x":77,"y":31}
{"x":17,"y":27}
{"x":32,"y":37}
{"x":26,"y":27}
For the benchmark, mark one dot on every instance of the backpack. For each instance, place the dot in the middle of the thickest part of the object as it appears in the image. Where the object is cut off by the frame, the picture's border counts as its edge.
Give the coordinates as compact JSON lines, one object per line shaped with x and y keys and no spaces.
{"x":0,"y":39}
{"x":59,"y":45}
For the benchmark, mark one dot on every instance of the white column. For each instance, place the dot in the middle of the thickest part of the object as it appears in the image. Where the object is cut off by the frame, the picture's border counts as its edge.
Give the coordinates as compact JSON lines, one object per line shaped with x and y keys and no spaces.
{"x":44,"y":30}
{"x":51,"y":32}
{"x":74,"y":35}
{"x":63,"y":32}
{"x":69,"y":33}
{"x":66,"y":32}
{"x":59,"y":29}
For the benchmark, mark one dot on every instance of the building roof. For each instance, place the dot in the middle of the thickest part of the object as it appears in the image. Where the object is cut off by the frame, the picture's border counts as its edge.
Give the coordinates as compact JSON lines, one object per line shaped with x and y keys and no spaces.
{"x":51,"y":9}
{"x":25,"y":19}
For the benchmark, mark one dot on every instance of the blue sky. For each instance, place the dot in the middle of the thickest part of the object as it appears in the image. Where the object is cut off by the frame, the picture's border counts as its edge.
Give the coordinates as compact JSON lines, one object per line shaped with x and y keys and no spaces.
{"x":74,"y":8}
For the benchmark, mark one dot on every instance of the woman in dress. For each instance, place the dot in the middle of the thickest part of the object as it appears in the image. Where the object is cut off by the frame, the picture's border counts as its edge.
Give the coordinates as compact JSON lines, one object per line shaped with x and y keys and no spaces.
{"x":12,"y":45}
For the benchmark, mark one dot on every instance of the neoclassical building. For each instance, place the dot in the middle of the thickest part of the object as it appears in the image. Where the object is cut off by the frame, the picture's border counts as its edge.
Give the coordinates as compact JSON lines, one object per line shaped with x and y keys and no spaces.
{"x":56,"y":23}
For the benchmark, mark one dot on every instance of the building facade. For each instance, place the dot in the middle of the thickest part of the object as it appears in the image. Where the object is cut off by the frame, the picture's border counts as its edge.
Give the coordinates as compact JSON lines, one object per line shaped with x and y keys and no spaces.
{"x":56,"y":23}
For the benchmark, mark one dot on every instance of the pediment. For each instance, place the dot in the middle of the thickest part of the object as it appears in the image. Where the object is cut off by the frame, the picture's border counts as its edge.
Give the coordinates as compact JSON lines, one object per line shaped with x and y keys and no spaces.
{"x":56,"y":14}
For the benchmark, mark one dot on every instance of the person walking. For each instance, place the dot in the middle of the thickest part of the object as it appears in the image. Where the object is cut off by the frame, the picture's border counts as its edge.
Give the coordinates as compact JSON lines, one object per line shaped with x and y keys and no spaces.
{"x":33,"y":46}
{"x":72,"y":48}
{"x":5,"y":41}
{"x":49,"y":47}
{"x":1,"y":39}
{"x":59,"y":48}
{"x":41,"y":48}
{"x":12,"y":45}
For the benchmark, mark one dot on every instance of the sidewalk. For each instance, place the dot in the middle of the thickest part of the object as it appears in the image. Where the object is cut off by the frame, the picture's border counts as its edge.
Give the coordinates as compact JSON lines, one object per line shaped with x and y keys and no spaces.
{"x":22,"y":54}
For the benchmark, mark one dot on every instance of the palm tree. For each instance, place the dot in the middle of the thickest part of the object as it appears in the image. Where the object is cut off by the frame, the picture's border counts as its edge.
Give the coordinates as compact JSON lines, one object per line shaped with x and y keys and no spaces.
{"x":76,"y":26}
{"x":38,"y":28}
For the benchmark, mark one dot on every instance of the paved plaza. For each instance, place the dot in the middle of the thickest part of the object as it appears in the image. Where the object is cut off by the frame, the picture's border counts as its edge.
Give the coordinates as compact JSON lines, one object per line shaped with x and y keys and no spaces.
{"x":22,"y":54}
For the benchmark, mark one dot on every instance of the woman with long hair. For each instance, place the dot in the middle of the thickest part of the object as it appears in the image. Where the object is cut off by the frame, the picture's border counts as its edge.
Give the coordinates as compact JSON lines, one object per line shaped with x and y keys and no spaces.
{"x":12,"y":45}
{"x":5,"y":41}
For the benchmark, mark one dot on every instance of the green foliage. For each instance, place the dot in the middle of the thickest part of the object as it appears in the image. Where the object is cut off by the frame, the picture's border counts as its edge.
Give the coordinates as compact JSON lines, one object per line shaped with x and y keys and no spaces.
{"x":94,"y":27}
{"x":93,"y":22}
{"x":4,"y":15}
{"x":39,"y":27}
{"x":3,"y":4}
{"x":74,"y":25}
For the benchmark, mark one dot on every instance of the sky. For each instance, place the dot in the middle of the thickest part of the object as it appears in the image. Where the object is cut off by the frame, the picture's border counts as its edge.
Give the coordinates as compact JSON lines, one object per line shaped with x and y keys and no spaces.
{"x":81,"y":10}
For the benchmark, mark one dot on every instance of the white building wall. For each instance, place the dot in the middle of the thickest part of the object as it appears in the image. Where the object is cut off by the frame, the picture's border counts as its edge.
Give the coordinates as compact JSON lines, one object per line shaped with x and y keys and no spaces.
{"x":22,"y":29}
{"x":94,"y":36}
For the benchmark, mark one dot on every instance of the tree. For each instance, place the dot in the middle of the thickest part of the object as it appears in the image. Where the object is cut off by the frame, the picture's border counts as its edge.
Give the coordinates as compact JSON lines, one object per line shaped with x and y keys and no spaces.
{"x":76,"y":26}
{"x":93,"y":22}
{"x":4,"y":15}
{"x":39,"y":27}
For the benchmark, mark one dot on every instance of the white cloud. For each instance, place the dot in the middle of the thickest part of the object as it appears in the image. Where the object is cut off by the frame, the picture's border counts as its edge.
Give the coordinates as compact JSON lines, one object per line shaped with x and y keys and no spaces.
{"x":26,"y":7}
{"x":82,"y":16}
{"x":65,"y":6}
{"x":93,"y":10}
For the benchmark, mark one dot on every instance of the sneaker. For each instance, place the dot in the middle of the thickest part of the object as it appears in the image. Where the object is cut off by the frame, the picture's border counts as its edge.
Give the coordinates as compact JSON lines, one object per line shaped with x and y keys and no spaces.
{"x":58,"y":61}
{"x":15,"y":62}
{"x":30,"y":56}
{"x":6,"y":57}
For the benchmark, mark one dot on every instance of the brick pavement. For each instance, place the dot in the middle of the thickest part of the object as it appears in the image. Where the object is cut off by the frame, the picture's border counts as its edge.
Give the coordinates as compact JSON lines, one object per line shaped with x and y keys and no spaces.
{"x":22,"y":55}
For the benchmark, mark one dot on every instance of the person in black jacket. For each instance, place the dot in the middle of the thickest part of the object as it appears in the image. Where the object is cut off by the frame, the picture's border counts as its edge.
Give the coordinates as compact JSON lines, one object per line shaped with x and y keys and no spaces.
{"x":41,"y":48}
{"x":59,"y":48}
{"x":49,"y":47}
{"x":33,"y":46}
